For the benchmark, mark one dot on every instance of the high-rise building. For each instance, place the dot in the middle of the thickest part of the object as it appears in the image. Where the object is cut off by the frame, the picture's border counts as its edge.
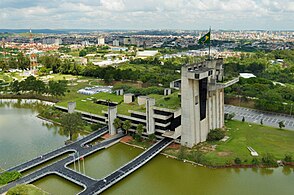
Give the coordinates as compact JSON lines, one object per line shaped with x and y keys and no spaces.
{"x":115,"y":43}
{"x":127,"y":41}
{"x":101,"y":41}
{"x":202,"y":100}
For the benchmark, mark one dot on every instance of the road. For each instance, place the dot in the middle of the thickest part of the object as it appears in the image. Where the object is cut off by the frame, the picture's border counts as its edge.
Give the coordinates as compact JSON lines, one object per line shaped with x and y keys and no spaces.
{"x":255,"y":116}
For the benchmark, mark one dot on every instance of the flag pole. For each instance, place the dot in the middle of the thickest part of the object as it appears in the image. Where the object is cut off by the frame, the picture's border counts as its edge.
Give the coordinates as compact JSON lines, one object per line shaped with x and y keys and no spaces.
{"x":209,"y":43}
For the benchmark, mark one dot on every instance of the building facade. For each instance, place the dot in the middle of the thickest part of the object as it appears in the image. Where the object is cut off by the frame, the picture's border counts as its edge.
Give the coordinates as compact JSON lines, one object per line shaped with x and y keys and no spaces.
{"x":202,"y":102}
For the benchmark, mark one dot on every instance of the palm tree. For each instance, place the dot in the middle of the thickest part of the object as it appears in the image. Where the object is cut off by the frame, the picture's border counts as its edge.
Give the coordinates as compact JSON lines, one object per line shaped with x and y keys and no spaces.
{"x":117,"y":123}
{"x":71,"y":123}
{"x":126,"y":125}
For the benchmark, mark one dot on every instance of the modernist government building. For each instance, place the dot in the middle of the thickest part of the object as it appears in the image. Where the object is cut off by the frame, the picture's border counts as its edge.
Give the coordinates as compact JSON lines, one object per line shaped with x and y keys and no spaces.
{"x":187,"y":115}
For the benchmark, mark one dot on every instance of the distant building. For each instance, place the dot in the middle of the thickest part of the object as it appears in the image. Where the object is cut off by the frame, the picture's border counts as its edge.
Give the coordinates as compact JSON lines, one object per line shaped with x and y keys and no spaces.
{"x":127,"y":41}
{"x":101,"y":41}
{"x":133,"y":41}
{"x":58,"y":41}
{"x":115,"y":43}
{"x":147,"y":53}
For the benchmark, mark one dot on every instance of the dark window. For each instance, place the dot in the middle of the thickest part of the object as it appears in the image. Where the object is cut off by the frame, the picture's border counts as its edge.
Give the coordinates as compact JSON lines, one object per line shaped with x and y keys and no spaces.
{"x":138,"y":116}
{"x":196,"y":76}
{"x":203,"y":97}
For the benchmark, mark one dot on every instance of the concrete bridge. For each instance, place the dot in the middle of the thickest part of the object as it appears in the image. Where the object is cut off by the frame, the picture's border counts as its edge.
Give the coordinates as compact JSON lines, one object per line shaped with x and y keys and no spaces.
{"x":91,"y":186}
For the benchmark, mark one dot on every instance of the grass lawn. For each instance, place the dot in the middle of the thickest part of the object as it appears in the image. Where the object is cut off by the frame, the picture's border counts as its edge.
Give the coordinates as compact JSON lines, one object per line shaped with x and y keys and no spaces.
{"x":171,"y":101}
{"x":90,"y":106}
{"x":262,"y":139}
{"x":26,"y":189}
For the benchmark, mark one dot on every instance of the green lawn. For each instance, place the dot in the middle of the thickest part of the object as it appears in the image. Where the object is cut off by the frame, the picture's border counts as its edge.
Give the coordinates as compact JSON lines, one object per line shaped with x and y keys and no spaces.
{"x":83,"y":104}
{"x":28,"y":189}
{"x":263,"y":139}
{"x":171,"y":101}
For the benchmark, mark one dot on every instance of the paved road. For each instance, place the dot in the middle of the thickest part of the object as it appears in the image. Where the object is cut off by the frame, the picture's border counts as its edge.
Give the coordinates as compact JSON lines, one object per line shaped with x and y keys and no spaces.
{"x":127,"y":169}
{"x":254,"y":116}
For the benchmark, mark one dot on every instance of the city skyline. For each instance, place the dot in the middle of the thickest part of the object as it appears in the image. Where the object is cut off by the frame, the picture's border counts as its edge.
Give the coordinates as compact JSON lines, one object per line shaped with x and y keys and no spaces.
{"x":148,"y":14}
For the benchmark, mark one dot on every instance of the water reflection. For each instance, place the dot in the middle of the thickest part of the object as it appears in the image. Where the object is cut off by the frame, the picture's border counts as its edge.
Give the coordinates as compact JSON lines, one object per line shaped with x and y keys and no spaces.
{"x":23,"y":136}
{"x":286,"y":170}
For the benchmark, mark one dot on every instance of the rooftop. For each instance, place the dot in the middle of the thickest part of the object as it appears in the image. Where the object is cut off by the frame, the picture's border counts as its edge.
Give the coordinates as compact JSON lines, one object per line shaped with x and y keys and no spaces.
{"x":87,"y":104}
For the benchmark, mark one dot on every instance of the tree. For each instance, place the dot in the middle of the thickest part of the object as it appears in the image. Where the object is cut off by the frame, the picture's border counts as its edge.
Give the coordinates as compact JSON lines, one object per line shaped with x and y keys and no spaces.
{"x":126,"y":125}
{"x":71,"y":123}
{"x":117,"y":123}
{"x":15,"y":87}
{"x":57,"y":88}
{"x":281,"y":124}
{"x":139,"y":129}
{"x":261,"y":121}
{"x":82,"y":53}
{"x":243,"y":119}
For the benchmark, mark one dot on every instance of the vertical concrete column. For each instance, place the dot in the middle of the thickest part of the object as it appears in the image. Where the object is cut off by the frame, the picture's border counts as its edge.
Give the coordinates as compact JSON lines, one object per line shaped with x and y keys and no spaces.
{"x":214,"y":110}
{"x":71,"y":106}
{"x":222,"y":108}
{"x":217,"y":109}
{"x":190,"y":112}
{"x":112,"y":112}
{"x":210,"y":111}
{"x":150,"y":123}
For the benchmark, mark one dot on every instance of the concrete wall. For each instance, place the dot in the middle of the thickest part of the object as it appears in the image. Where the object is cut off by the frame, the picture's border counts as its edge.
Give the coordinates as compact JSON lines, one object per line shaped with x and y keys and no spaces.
{"x":150,"y":123}
{"x":142,"y":100}
{"x":167,"y":91}
{"x":71,"y":106}
{"x":128,"y":98}
{"x":195,"y":130}
{"x":112,"y":112}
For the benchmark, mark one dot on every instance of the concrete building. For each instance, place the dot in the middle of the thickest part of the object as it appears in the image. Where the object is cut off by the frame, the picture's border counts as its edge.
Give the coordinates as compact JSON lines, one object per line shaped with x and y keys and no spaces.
{"x":127,"y":41}
{"x":115,"y":43}
{"x":187,"y":116}
{"x":101,"y":41}
{"x":202,"y":100}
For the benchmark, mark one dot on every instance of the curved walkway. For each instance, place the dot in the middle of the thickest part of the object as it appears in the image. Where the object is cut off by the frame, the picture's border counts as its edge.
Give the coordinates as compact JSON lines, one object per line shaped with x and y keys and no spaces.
{"x":74,"y":147}
{"x":106,"y":182}
{"x":59,"y":166}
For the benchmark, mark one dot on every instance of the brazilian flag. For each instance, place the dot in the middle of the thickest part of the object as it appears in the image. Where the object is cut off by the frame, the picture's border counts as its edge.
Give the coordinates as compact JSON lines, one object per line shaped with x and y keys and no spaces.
{"x":205,"y":38}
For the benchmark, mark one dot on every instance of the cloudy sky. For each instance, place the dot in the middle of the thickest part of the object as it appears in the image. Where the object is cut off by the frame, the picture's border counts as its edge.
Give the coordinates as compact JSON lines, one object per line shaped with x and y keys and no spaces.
{"x":148,"y":14}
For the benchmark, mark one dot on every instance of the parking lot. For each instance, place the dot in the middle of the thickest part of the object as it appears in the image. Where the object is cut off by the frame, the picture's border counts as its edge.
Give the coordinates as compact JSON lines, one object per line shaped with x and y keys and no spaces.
{"x":255,"y":116}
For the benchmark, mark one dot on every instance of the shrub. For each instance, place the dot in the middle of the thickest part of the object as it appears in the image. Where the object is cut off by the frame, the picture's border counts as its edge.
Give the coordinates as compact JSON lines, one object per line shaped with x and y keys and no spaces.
{"x":9,"y":177}
{"x":288,"y":158}
{"x":215,"y":135}
{"x":255,"y":161}
{"x":229,"y":116}
{"x":151,"y":137}
{"x":181,"y":153}
{"x":198,"y":157}
{"x":237,"y":161}
{"x":269,"y":159}
{"x":95,"y":126}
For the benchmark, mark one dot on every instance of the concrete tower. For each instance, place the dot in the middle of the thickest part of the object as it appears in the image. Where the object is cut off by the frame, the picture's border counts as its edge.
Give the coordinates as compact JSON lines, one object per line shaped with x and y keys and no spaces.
{"x":202,"y":100}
